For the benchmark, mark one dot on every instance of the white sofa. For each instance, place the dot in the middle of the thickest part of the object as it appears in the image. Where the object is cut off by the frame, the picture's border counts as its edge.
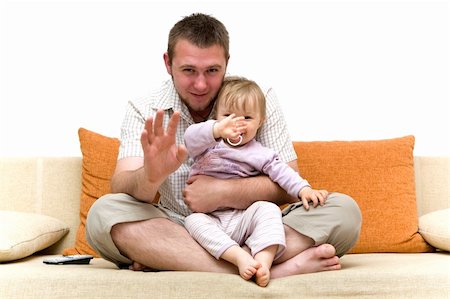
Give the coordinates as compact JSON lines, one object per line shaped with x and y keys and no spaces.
{"x":51,"y":186}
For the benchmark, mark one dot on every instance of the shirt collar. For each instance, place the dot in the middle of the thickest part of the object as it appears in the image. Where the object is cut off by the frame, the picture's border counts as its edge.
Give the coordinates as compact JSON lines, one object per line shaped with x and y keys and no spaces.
{"x":168,"y":99}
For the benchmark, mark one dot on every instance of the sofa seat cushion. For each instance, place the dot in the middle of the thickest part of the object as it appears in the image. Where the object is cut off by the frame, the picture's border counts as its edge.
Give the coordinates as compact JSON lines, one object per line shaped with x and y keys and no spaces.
{"x":385,"y":275}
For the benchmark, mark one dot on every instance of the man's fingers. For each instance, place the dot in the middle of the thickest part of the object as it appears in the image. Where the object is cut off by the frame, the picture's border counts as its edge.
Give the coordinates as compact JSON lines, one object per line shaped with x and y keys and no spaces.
{"x":145,"y":140}
{"x":182,"y":153}
{"x":149,"y":128}
{"x":158,"y":129}
{"x":154,"y":130}
{"x":191,"y":180}
{"x":173,"y":124}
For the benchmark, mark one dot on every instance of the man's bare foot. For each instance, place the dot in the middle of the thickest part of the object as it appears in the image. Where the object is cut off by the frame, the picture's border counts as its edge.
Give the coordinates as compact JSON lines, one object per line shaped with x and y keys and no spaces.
{"x":135,"y":266}
{"x":314,"y":259}
{"x":263,"y":276}
{"x":247,"y":266}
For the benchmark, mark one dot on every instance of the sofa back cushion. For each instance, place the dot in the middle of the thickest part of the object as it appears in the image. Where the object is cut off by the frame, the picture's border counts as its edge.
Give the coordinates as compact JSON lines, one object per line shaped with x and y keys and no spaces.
{"x":99,"y":161}
{"x":432,"y":183}
{"x":43,"y":185}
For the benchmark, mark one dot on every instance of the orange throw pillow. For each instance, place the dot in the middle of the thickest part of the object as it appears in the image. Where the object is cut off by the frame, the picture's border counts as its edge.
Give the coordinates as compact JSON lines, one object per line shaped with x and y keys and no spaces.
{"x":379,"y":175}
{"x":99,"y":155}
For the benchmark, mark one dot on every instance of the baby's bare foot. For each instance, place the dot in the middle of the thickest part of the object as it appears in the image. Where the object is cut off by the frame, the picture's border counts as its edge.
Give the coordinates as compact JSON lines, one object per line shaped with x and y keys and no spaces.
{"x":262,"y":276}
{"x":247,"y":266}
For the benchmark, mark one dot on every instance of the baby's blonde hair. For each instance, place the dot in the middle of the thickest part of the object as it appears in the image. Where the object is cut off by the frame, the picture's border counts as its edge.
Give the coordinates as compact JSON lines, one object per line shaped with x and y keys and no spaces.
{"x":242,"y":94}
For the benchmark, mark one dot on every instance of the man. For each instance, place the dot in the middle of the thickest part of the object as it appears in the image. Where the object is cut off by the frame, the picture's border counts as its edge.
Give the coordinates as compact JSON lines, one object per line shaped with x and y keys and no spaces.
{"x":127,"y":229}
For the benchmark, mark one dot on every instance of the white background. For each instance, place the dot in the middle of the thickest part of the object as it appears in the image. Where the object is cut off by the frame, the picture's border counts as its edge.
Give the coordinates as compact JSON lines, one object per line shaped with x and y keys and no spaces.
{"x":343,"y":70}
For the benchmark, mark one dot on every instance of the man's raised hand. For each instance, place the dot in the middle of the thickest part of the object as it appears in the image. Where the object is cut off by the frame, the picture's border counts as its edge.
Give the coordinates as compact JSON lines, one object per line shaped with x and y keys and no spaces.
{"x":162,"y":155}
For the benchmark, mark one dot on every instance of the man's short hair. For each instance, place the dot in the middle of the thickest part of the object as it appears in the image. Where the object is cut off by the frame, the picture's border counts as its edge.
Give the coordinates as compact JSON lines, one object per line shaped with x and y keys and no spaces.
{"x":201,"y":30}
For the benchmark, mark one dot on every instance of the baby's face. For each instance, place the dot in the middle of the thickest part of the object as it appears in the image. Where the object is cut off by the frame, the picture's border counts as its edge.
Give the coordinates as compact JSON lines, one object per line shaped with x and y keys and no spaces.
{"x":252,"y":119}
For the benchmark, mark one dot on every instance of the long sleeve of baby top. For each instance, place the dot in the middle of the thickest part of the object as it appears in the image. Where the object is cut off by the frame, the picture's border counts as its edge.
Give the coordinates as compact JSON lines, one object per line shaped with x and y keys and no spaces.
{"x":218,"y":159}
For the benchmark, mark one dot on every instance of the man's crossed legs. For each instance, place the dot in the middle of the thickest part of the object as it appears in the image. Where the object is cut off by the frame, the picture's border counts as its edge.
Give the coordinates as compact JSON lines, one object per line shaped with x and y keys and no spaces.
{"x":144,"y":235}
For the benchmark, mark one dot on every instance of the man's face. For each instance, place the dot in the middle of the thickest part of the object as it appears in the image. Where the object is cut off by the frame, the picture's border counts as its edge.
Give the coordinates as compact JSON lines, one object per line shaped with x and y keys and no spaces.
{"x":197,"y":73}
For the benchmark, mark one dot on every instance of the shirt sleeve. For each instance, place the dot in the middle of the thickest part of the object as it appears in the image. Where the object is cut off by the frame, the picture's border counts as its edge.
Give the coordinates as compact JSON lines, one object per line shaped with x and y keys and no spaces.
{"x":285,"y":176}
{"x":274,"y":132}
{"x":131,"y":130}
{"x":199,"y":137}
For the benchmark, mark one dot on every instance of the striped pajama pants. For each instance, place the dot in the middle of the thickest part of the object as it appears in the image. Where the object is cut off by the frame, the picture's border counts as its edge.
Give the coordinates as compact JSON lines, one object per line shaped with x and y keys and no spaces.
{"x":258,"y":227}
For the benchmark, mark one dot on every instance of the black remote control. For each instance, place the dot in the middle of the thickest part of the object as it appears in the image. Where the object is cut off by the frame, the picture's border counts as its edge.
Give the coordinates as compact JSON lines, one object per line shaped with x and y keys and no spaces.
{"x":69,"y":259}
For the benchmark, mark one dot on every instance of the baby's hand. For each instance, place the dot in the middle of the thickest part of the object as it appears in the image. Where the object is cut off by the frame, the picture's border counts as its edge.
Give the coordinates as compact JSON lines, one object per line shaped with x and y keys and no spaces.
{"x":230,"y":127}
{"x":307,"y":194}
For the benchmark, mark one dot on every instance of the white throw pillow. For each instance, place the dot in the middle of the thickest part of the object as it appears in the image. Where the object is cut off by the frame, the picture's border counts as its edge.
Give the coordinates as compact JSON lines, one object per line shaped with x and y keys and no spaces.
{"x":435,"y":228}
{"x":22,"y":234}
